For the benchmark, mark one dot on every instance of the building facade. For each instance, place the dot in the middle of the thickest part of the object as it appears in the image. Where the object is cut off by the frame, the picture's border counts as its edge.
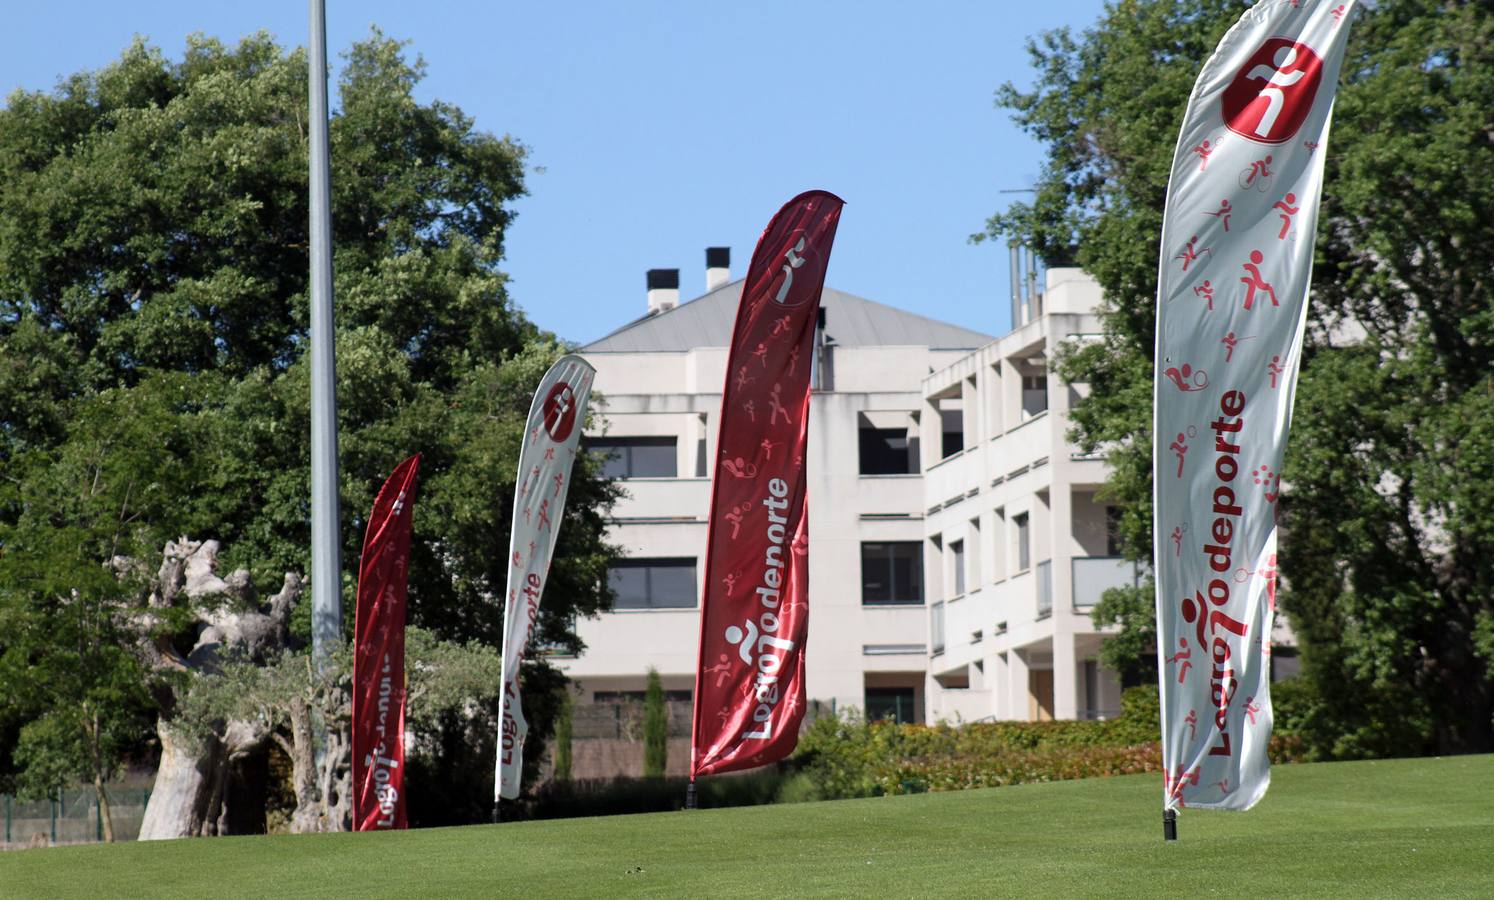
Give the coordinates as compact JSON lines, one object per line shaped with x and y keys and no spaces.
{"x":956,"y":542}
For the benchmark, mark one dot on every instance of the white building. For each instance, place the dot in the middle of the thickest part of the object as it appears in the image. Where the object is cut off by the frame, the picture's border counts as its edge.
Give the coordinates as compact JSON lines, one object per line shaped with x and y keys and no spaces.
{"x":1020,"y":549}
{"x":955,"y":542}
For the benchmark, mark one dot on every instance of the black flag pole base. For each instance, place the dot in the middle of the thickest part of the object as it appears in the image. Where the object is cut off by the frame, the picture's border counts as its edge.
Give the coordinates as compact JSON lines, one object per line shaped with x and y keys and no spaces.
{"x":497,"y":813}
{"x":690,"y":796}
{"x":1169,"y":824}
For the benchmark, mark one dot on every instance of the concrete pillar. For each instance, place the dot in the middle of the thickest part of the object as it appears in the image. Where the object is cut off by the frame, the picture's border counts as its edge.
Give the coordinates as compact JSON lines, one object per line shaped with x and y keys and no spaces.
{"x":1017,"y":688}
{"x":975,"y":431}
{"x":1011,"y":395}
{"x":1066,"y":676}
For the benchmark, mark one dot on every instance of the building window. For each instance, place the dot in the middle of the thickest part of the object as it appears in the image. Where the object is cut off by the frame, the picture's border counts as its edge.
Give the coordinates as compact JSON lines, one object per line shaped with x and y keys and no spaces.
{"x":636,"y":457}
{"x":936,"y":628}
{"x":891,"y":573}
{"x":957,"y":556}
{"x":895,"y":703}
{"x":1024,"y":541}
{"x":652,"y":583}
{"x":887,"y":451}
{"x":1112,"y":531}
{"x":1034,"y":395}
{"x":952,"y":424}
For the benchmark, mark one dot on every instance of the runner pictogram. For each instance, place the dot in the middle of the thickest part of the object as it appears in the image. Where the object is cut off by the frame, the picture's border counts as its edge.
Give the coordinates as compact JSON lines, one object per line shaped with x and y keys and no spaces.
{"x":1272,"y":94}
{"x":1254,"y":282}
{"x":560,"y":412}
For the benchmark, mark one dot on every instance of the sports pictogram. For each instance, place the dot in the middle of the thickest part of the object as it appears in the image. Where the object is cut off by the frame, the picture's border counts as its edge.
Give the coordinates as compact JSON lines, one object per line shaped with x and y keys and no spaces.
{"x":1272,"y":94}
{"x":560,"y":412}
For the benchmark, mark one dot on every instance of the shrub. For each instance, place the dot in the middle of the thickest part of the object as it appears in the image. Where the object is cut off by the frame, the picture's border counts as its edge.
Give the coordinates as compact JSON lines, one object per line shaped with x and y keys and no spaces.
{"x":655,"y":727}
{"x":850,"y":757}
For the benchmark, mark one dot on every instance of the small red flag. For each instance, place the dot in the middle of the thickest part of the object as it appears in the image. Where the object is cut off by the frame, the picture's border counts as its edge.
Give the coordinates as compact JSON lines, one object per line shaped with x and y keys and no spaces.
{"x":379,"y":657}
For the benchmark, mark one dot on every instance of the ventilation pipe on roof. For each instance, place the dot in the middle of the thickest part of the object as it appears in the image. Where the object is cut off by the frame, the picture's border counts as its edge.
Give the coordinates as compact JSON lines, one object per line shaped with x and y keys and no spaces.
{"x":663,"y":290}
{"x":718,"y":267}
{"x":1034,"y":299}
{"x":1015,"y":265}
{"x":1027,"y":301}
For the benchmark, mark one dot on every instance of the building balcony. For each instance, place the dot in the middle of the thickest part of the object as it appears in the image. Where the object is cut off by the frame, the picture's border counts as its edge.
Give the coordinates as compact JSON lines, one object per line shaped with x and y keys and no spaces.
{"x":1094,"y":575}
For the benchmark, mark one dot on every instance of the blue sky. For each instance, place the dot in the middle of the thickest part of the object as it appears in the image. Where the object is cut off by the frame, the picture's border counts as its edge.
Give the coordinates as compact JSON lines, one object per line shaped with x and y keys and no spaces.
{"x":657,"y":129}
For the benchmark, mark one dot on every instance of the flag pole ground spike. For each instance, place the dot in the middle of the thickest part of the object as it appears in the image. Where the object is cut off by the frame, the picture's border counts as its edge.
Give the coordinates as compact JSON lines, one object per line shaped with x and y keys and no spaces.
{"x":690,"y":796}
{"x":1169,"y":824}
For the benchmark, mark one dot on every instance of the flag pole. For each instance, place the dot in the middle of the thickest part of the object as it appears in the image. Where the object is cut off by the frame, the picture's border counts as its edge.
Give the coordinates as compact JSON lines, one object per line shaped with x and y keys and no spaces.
{"x":326,"y":562}
{"x":1169,"y":824}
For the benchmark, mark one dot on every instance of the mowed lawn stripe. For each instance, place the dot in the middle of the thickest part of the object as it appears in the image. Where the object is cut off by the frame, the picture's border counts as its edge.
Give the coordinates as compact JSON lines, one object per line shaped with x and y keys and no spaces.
{"x":1395,"y":828}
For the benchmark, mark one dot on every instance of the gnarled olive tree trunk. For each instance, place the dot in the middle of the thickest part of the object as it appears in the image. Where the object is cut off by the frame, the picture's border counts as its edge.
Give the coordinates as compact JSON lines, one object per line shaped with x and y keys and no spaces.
{"x":200,"y":751}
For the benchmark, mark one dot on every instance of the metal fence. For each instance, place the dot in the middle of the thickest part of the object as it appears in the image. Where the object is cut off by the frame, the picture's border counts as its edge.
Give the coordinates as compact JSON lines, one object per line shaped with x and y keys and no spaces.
{"x":72,"y":817}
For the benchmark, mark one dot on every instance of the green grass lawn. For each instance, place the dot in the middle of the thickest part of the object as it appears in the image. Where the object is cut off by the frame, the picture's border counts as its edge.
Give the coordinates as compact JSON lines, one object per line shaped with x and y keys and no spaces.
{"x":1398,"y":828}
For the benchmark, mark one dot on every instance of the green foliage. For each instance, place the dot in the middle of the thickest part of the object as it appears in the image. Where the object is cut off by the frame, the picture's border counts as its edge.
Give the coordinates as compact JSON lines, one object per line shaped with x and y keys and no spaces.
{"x":1132,"y":653}
{"x":655,"y":727}
{"x":563,"y":749}
{"x":852,"y":757}
{"x":153,"y":325}
{"x":1387,"y":547}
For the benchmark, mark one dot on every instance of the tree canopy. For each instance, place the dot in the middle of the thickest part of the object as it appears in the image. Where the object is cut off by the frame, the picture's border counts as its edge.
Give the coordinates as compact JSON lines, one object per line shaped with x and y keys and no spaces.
{"x":1388,"y":535}
{"x":153,"y":320}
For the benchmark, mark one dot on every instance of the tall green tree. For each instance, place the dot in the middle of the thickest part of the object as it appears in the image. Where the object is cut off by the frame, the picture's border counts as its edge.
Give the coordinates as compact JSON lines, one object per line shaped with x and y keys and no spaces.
{"x":153,"y":255}
{"x":1388,"y":538}
{"x":655,"y":727}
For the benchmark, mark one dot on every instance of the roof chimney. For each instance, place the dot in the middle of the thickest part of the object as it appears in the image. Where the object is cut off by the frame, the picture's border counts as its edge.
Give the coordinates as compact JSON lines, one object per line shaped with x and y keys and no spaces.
{"x":718,"y":267}
{"x":663,"y":290}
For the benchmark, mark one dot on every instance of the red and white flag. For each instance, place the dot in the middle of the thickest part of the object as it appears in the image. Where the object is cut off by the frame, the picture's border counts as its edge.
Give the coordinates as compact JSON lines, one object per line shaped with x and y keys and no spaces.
{"x":379,"y":656}
{"x":1235,"y":267}
{"x":552,"y":432}
{"x":749,"y":683}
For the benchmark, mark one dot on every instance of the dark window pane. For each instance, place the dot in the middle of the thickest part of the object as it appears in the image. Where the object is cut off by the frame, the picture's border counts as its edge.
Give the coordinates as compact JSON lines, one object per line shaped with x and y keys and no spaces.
{"x":652,"y":583}
{"x":673,"y":586}
{"x":629,"y":584}
{"x":635,"y":457}
{"x":1024,"y":546}
{"x":892,"y":572}
{"x":957,"y":550}
{"x":887,"y":451}
{"x":654,"y":458}
{"x":895,"y":703}
{"x":953,"y":431}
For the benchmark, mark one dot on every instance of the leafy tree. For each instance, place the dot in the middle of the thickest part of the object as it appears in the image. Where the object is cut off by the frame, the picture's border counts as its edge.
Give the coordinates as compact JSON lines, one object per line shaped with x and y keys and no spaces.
{"x":1388,"y":538}
{"x":655,"y":727}
{"x":78,"y":692}
{"x":153,"y":286}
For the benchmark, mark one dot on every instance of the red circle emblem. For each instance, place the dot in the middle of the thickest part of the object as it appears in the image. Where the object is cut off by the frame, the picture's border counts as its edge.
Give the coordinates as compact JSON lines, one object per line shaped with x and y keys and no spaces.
{"x":799,"y":268}
{"x":559,"y":412}
{"x":1271,"y":95}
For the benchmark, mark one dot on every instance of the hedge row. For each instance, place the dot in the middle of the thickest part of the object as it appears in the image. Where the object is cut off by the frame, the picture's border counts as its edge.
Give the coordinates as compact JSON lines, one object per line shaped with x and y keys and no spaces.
{"x":841,"y":758}
{"x":849,"y":757}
